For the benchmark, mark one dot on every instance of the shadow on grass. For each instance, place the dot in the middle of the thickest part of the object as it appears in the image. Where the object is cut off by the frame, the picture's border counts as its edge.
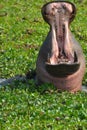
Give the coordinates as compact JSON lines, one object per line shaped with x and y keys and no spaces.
{"x":28,"y":82}
{"x":30,"y":85}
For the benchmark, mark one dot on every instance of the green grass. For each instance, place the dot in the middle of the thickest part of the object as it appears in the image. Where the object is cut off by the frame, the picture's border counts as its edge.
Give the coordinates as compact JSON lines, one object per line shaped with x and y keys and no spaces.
{"x":22,"y":105}
{"x":25,"y":108}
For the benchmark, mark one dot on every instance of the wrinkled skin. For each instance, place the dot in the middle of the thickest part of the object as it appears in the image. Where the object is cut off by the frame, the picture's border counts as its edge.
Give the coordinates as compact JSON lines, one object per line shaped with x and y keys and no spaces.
{"x":60,"y":60}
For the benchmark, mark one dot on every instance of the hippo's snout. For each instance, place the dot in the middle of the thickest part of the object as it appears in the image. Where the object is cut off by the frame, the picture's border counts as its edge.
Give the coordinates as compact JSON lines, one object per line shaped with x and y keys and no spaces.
{"x":58,"y":15}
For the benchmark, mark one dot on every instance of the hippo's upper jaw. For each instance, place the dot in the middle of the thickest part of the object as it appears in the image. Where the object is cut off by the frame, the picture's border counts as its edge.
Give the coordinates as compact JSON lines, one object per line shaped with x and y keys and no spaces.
{"x":62,"y":60}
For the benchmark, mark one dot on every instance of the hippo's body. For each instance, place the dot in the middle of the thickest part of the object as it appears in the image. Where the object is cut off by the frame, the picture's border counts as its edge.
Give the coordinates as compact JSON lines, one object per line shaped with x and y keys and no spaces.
{"x":60,"y":48}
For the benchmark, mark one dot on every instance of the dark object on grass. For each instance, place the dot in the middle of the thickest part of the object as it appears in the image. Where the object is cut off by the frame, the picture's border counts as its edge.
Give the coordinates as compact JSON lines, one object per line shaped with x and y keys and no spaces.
{"x":31,"y":74}
{"x":4,"y":82}
{"x":60,"y":60}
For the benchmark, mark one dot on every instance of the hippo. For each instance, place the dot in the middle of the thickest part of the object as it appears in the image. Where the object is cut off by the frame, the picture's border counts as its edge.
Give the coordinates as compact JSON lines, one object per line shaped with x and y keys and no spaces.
{"x":60,"y":60}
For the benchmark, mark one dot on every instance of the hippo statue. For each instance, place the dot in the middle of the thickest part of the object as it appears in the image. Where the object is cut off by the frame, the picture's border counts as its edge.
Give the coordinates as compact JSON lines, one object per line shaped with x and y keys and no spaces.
{"x":60,"y":60}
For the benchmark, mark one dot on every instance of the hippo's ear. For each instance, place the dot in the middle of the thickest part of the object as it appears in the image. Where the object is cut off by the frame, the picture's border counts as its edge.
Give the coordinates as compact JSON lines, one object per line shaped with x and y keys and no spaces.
{"x":44,"y":13}
{"x":73,"y":12}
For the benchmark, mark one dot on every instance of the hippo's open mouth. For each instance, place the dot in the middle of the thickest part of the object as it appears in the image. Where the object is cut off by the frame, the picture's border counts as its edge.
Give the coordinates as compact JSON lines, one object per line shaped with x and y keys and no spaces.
{"x":62,"y":59}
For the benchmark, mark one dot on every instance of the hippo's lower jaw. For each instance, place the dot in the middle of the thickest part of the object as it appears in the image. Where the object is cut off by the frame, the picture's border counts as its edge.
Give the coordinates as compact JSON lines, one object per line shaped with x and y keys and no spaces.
{"x":63,"y":69}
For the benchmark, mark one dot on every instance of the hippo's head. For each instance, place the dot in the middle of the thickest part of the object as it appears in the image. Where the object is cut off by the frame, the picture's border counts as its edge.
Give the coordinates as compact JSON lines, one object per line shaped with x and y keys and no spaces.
{"x":62,"y":59}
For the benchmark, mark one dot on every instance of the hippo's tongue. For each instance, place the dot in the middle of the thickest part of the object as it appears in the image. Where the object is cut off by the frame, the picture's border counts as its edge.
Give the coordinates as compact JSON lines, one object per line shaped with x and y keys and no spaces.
{"x":61,"y":46}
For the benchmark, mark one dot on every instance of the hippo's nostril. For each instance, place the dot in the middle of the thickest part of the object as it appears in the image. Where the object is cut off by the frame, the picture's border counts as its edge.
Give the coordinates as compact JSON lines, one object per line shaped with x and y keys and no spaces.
{"x":64,"y":6}
{"x":53,"y":9}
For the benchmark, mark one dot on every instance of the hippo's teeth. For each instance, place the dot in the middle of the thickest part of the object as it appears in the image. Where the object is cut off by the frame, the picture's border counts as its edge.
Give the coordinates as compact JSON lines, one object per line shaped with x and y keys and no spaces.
{"x":48,"y":58}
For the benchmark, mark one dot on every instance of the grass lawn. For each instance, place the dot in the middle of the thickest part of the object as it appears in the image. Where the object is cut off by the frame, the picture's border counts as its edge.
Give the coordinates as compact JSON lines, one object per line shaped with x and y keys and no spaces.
{"x":23,"y":106}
